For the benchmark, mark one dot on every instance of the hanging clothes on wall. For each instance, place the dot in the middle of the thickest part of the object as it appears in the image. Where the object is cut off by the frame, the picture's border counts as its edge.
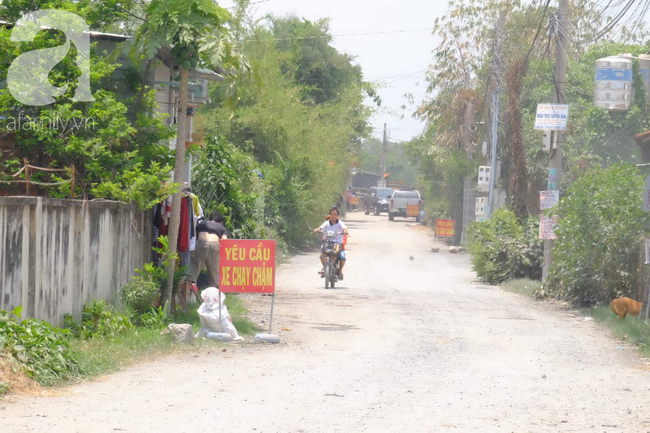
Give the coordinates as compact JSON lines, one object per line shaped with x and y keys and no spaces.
{"x":198,"y":214}
{"x":191,"y":219}
{"x":183,"y":229}
{"x":196,"y":204}
{"x":157,"y":221}
{"x":167,"y":213}
{"x":187,"y":235}
{"x":190,"y":213}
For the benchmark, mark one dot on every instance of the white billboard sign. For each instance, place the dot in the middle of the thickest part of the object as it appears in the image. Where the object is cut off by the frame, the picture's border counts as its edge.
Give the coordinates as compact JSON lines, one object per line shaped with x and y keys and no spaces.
{"x":551,"y":117}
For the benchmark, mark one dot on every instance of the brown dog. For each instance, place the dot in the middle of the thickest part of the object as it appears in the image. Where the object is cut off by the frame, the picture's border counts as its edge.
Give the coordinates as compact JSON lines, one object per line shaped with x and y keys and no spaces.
{"x":624,"y":306}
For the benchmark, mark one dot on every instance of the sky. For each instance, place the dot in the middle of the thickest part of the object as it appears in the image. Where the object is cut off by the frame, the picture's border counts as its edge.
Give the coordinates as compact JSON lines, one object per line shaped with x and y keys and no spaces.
{"x":397,"y":60}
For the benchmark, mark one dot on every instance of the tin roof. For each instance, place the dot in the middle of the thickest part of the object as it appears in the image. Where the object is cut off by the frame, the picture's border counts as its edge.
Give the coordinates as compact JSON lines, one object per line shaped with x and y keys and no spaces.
{"x":202,"y":73}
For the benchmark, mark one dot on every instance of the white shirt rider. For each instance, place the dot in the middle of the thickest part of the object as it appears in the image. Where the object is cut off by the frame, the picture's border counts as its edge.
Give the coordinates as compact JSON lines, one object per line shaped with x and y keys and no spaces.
{"x":338,"y":227}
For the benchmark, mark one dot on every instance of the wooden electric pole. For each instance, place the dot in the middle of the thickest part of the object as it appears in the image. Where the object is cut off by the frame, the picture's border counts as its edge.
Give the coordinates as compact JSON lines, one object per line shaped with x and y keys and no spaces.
{"x":555,"y":162}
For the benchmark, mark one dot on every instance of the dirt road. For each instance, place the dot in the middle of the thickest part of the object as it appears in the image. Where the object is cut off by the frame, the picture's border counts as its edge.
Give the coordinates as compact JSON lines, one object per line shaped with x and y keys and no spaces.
{"x":403,"y":346}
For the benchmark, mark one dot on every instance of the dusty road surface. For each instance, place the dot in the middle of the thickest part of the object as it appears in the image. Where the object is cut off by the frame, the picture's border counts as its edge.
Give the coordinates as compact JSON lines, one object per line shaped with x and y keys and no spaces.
{"x":402,"y":346}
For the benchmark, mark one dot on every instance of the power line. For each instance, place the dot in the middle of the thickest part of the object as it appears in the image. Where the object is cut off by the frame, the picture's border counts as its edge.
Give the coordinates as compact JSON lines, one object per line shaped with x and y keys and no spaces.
{"x":615,"y":21}
{"x":252,"y":3}
{"x":608,"y":27}
{"x":389,"y":76}
{"x":539,"y":28}
{"x":635,"y":18}
{"x":399,"y":77}
{"x":401,"y":139}
{"x":297,"y":38}
{"x":407,"y":76}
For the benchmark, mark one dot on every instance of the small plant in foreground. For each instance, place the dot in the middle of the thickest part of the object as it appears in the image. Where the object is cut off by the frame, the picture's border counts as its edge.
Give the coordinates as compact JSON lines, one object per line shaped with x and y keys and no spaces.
{"x":99,"y":319}
{"x":154,"y":318}
{"x":140,"y":294}
{"x":41,"y":349}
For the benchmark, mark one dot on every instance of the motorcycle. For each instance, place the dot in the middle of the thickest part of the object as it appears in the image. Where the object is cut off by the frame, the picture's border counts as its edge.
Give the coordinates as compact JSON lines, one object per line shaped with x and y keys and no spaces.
{"x":331,"y":248}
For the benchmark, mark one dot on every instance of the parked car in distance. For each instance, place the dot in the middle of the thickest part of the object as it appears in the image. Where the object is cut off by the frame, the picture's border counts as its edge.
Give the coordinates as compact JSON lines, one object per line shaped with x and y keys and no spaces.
{"x":399,"y":202}
{"x":377,"y":200}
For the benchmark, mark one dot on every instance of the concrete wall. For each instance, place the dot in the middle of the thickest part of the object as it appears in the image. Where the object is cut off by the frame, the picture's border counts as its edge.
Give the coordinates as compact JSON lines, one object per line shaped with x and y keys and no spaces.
{"x":55,"y":255}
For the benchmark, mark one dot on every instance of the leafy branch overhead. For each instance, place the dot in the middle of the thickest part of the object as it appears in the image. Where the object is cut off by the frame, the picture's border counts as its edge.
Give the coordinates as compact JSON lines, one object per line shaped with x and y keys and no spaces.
{"x":104,"y":139}
{"x":193,"y":32}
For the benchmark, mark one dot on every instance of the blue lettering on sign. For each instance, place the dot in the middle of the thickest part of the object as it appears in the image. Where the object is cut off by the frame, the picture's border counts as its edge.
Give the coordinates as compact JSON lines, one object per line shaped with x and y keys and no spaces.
{"x":613,"y":75}
{"x":551,"y":116}
{"x":552,"y":171}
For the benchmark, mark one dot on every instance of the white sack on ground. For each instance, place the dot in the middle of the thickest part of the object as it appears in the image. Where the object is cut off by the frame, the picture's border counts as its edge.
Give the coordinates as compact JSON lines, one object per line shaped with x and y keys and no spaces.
{"x":209,"y":315}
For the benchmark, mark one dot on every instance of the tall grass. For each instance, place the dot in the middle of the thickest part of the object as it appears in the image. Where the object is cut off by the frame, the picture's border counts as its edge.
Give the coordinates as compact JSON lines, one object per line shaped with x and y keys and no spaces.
{"x":630,"y":329}
{"x":522,"y":286}
{"x":103,"y":355}
{"x":238,"y":312}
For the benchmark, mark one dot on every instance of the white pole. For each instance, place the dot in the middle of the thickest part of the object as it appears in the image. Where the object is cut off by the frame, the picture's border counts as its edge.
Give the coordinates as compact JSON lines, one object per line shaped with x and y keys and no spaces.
{"x":493,"y":167}
{"x":271,"y":319}
{"x":555,"y":162}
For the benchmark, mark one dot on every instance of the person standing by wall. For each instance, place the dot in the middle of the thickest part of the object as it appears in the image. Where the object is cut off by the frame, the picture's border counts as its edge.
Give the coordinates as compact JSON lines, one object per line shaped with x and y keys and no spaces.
{"x":210,"y":233}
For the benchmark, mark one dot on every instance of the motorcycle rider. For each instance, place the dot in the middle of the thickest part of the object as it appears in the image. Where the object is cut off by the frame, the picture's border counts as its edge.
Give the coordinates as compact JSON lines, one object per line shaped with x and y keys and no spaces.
{"x":338,"y":226}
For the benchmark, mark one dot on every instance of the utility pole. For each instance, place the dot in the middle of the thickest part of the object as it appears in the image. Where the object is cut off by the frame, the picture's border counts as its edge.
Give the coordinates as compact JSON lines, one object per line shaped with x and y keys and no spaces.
{"x":555,"y":162}
{"x":468,"y":120}
{"x":493,"y":167}
{"x":496,"y":78}
{"x":383,"y":158}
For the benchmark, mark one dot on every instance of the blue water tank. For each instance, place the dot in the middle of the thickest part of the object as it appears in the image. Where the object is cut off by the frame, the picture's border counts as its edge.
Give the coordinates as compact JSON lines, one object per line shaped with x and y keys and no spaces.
{"x":614,"y":83}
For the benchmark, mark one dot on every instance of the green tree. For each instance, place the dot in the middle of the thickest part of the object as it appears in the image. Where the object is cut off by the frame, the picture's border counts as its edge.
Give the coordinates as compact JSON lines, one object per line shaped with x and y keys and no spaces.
{"x":596,"y":255}
{"x":115,"y":155}
{"x":190,"y":31}
{"x":304,"y":149}
{"x":321,"y":71}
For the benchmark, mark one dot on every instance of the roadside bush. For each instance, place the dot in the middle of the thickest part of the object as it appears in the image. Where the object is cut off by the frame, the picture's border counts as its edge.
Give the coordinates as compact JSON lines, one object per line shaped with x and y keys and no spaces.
{"x":140,"y":294}
{"x":596,"y":254}
{"x":503,"y":250}
{"x":71,"y":325}
{"x":143,"y":291}
{"x":42,"y":350}
{"x":99,"y":319}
